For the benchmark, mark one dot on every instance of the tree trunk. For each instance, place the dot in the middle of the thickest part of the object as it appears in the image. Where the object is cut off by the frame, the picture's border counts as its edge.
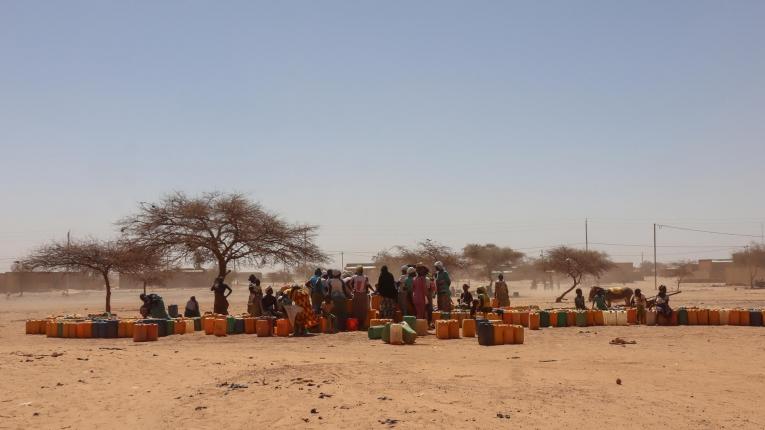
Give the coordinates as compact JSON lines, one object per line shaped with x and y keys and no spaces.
{"x":560,"y":298}
{"x":144,"y":286}
{"x":222,"y":272}
{"x":108,"y":293}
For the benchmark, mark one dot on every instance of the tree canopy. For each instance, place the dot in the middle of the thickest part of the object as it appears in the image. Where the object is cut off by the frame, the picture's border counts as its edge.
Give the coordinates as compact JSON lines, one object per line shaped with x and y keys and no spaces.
{"x":426,"y":252}
{"x":91,"y":255}
{"x":576,"y":263}
{"x":753,"y":258}
{"x":490,"y":257}
{"x":220,"y":228}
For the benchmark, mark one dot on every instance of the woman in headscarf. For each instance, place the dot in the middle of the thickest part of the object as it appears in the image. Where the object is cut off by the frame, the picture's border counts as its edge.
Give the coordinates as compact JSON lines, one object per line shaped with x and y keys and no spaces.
{"x":405,"y":290}
{"x":421,"y":292}
{"x":306,"y":318}
{"x":361,"y":287}
{"x":338,"y":294}
{"x":443,"y":288}
{"x":386,"y":287}
{"x":501,"y":292}
{"x":219,"y":288}
{"x":256,"y":295}
{"x":192,"y":308}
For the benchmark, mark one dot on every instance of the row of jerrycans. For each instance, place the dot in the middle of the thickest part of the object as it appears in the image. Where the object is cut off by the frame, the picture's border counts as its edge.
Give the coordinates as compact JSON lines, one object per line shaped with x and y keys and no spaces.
{"x":493,"y":332}
{"x":86,"y":329}
{"x":221,"y":325}
{"x":736,"y":317}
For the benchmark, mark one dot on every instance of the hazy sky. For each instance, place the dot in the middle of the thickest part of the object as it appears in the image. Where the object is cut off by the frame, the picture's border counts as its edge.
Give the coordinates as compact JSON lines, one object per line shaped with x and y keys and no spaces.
{"x":390,"y":122}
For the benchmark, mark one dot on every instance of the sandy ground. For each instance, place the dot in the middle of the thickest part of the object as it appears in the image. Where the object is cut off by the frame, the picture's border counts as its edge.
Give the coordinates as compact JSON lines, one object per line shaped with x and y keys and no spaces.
{"x":680,"y":377}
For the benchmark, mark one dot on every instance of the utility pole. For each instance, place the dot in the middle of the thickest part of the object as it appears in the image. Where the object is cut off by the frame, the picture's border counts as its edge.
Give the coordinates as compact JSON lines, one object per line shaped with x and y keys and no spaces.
{"x":586,"y":236}
{"x":655,"y":270}
{"x":342,"y":261}
{"x":68,"y":243}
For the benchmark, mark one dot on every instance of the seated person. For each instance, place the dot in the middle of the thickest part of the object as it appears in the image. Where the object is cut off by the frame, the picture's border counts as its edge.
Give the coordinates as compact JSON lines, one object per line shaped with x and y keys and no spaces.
{"x":192,"y":308}
{"x":662,"y":302}
{"x":466,"y":299}
{"x":600,"y":301}
{"x":269,"y":304}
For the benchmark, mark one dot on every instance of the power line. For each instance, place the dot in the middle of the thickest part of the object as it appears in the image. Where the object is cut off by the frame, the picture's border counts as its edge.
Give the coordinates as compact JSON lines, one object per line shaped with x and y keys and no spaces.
{"x":708,"y":231}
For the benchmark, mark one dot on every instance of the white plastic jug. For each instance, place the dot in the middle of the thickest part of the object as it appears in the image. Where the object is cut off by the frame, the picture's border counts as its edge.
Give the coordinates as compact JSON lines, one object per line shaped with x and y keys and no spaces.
{"x":189,"y":326}
{"x":621,"y":318}
{"x":396,"y":334}
{"x":609,"y":317}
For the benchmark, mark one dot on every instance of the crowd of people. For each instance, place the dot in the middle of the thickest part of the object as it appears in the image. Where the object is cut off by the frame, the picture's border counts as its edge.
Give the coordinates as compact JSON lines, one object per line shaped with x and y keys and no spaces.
{"x":418,"y":291}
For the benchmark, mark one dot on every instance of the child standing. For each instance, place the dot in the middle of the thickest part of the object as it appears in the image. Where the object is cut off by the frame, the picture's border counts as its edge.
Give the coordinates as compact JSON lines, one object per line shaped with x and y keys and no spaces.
{"x":640,"y":302}
{"x":579,"y":300}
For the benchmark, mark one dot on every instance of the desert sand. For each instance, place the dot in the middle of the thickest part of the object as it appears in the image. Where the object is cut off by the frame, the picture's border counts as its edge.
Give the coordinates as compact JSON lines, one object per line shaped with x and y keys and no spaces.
{"x":678,"y":377}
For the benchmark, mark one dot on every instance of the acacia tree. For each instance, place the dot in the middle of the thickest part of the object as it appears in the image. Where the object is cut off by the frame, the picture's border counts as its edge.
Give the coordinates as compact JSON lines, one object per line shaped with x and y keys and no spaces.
{"x":753,"y":258}
{"x":220,"y":228}
{"x":576,"y":263}
{"x":490,"y":257}
{"x":426,"y":252}
{"x":90,"y":255}
{"x":682,"y":270}
{"x":148,"y":265}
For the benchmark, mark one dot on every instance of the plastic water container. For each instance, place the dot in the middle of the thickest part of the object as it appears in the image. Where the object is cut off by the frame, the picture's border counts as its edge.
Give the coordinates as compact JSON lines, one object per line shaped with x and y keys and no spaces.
{"x":485,"y":333}
{"x":263,"y":327}
{"x":581,"y":319}
{"x":508,"y":334}
{"x":283,"y":327}
{"x":621,"y":318}
{"x":375,"y":332}
{"x":682,"y":316}
{"x":562,"y":319}
{"x":421,"y":327}
{"x":442,"y":329}
{"x":518,"y":337}
{"x":190,"y":325}
{"x":239,"y":326}
{"x":468,"y":328}
{"x":702,"y":316}
{"x":609,"y":318}
{"x":650,"y":317}
{"x":409,"y":334}
{"x":724,"y":314}
{"x":534,"y":321}
{"x":544,"y":319}
{"x":396,"y":334}
{"x":454,"y":329}
{"x":499,"y":333}
{"x":411,"y":320}
{"x":755,"y":318}
{"x":219,"y":329}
